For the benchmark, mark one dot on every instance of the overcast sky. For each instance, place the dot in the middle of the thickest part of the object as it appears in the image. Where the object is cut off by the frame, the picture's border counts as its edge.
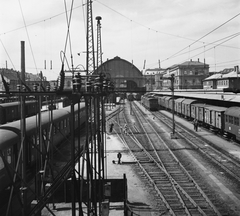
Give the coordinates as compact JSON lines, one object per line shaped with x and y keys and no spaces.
{"x":171,"y":31}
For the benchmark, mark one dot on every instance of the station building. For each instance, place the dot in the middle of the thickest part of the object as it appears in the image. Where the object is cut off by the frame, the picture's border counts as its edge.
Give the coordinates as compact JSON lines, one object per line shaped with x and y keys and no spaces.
{"x":125,"y":75}
{"x":188,"y":75}
{"x":229,"y":78}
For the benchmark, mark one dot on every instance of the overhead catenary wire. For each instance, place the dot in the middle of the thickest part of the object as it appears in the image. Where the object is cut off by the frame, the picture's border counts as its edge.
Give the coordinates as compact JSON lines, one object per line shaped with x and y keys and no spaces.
{"x":29,"y":41}
{"x":68,"y":37}
{"x":215,"y":43}
{"x":204,"y":36}
{"x":7,"y":54}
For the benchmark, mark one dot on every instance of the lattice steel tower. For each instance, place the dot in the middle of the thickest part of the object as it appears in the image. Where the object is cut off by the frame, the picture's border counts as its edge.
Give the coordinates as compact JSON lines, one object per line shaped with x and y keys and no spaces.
{"x":99,"y":43}
{"x":90,"y":64}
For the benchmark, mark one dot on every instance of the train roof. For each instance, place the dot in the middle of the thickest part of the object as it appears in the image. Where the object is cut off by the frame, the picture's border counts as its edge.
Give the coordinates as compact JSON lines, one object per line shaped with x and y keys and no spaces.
{"x":8,"y":138}
{"x":188,"y":101}
{"x":167,"y":98}
{"x":179,"y":100}
{"x":10,"y":132}
{"x":217,"y":108}
{"x":15,"y":103}
{"x":233,"y":111}
{"x":31,"y":122}
{"x":201,"y":105}
{"x":204,"y":94}
{"x":152,"y":98}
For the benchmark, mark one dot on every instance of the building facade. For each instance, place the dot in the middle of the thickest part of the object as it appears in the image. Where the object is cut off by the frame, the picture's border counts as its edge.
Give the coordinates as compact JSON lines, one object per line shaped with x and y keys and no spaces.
{"x":153,"y":78}
{"x":13,"y":77}
{"x":226,"y":79}
{"x":188,"y":75}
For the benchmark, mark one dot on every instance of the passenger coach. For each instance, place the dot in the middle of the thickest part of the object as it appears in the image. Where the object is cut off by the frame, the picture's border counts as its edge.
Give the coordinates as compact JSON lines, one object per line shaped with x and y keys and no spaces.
{"x":232,"y":127}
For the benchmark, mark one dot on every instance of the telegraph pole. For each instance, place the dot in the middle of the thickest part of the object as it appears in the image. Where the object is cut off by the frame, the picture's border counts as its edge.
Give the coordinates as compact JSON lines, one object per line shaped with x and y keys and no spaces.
{"x":173,"y":135}
{"x":23,"y":133}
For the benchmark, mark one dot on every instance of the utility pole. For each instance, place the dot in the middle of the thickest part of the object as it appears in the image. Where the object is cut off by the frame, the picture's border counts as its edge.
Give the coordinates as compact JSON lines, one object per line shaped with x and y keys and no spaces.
{"x":173,"y":135}
{"x":23,"y":133}
{"x":172,"y":78}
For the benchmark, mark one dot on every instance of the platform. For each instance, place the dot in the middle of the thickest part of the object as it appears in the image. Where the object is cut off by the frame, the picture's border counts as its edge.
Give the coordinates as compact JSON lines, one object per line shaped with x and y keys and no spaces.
{"x":222,"y":144}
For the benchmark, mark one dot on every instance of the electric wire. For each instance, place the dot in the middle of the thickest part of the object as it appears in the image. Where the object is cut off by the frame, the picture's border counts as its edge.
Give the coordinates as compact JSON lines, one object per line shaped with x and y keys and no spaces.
{"x":7,"y":54}
{"x":68,"y":37}
{"x":29,"y":41}
{"x":236,"y":35}
{"x":157,"y":31}
{"x":205,"y":35}
{"x":204,"y":46}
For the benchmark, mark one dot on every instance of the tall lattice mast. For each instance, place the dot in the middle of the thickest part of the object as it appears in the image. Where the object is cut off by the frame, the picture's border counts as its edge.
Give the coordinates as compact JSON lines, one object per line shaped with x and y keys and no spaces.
{"x":99,"y":43}
{"x":90,"y":64}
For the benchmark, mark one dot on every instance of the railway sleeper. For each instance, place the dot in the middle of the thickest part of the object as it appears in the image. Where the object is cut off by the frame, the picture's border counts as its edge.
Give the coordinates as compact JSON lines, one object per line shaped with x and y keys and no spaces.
{"x":162,"y":182}
{"x":186,"y":184}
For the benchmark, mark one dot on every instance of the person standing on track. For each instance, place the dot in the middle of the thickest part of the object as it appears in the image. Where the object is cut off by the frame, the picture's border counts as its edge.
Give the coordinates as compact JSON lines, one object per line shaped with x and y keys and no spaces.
{"x":195,"y":124}
{"x":119,"y":156}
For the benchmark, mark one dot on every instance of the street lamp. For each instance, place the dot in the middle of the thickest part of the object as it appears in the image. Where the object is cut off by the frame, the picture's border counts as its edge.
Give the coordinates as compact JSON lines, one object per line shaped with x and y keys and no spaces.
{"x":172,"y":78}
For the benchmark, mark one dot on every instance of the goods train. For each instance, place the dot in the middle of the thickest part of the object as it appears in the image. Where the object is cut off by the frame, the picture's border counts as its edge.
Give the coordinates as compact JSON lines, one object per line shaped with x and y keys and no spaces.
{"x":150,"y":102}
{"x":129,"y":96}
{"x":10,"y":141}
{"x":219,"y":119}
{"x":11,"y":111}
{"x":137,"y":96}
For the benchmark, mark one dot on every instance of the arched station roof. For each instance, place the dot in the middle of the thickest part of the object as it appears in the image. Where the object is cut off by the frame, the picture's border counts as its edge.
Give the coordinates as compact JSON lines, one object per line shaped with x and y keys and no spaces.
{"x":124,"y":74}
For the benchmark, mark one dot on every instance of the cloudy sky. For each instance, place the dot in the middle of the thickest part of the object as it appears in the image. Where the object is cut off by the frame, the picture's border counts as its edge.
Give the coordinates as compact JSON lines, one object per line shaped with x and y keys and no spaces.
{"x":172,"y":31}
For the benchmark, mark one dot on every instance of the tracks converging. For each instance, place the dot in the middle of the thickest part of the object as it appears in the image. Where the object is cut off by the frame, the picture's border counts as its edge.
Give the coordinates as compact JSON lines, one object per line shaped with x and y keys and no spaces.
{"x":179,"y":192}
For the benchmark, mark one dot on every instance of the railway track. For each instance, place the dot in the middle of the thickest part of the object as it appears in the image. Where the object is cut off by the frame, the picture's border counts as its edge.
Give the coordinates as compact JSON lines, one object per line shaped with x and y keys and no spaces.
{"x":179,"y":192}
{"x":228,"y":164}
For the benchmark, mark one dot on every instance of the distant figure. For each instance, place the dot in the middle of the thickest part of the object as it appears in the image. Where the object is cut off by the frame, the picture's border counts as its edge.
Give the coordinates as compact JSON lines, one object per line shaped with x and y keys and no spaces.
{"x":195,"y":123}
{"x":119,"y":155}
{"x":111,"y":127}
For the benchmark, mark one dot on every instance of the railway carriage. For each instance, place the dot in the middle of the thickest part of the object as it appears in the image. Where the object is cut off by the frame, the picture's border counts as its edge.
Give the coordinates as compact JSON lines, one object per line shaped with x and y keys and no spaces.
{"x":130,"y":96}
{"x":232,"y":123}
{"x":187,"y":108}
{"x":7,"y":158}
{"x":166,"y":103}
{"x":11,"y":111}
{"x":178,"y":105}
{"x":219,"y":119}
{"x":214,"y":118}
{"x":170,"y":103}
{"x":10,"y":141}
{"x":137,"y":96}
{"x":150,"y":102}
{"x":197,"y":112}
{"x":161,"y":102}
